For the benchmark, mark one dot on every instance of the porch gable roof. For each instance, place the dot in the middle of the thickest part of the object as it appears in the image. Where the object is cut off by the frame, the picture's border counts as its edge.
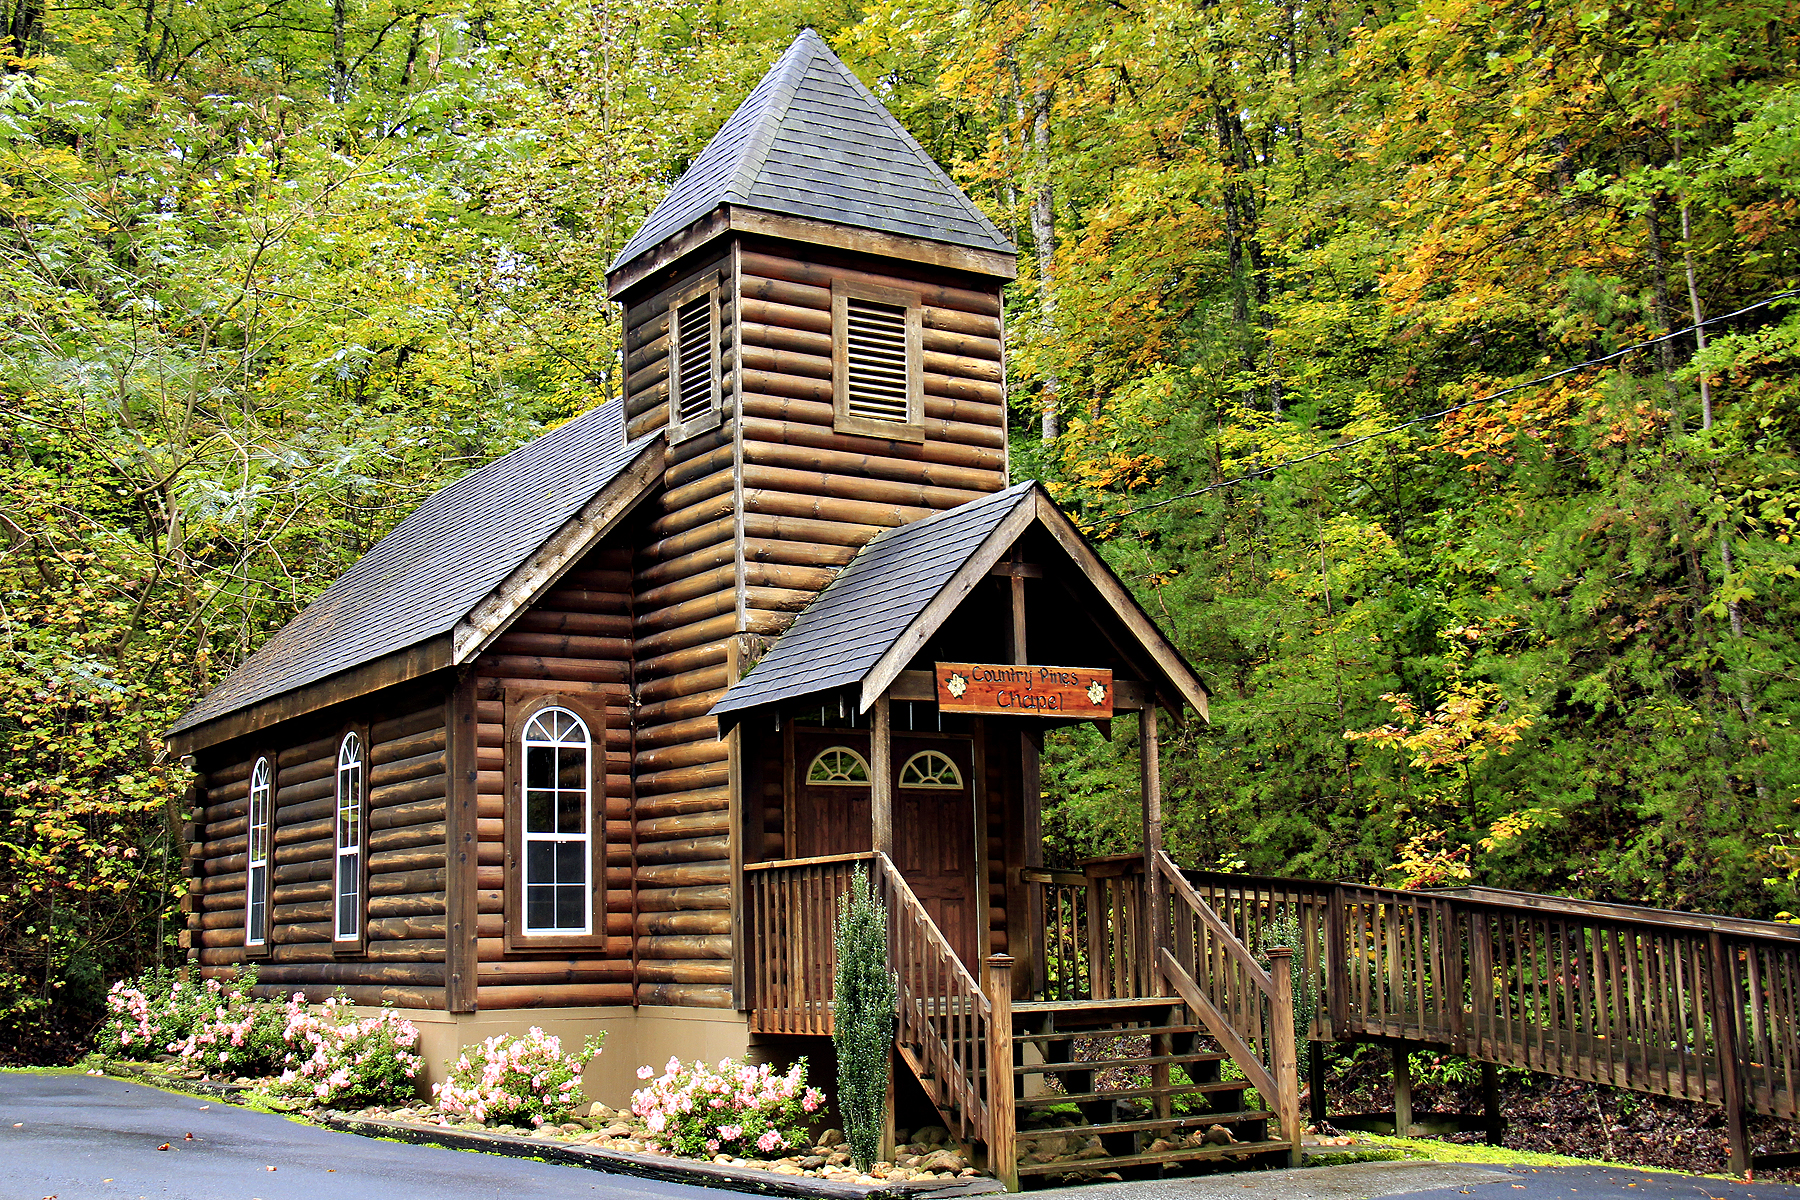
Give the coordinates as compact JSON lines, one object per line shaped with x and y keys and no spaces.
{"x":886,"y":604}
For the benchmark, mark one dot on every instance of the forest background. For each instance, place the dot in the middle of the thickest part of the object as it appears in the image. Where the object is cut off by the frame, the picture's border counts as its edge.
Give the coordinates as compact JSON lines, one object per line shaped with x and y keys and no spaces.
{"x":271,"y":271}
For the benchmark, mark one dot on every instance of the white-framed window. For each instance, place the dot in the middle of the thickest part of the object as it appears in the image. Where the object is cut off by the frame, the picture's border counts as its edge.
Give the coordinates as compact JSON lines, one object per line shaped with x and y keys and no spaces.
{"x":347,"y":874}
{"x":838,"y":766}
{"x":557,"y":763}
{"x":930,"y":769}
{"x":256,"y":876}
{"x":878,"y":382}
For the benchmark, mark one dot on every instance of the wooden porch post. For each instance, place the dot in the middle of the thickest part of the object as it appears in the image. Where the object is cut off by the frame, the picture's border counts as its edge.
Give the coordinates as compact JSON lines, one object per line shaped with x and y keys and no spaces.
{"x":1726,"y":1004}
{"x":1281,"y":1048}
{"x":881,"y":786}
{"x":1402,"y":1090}
{"x":1027,"y":951}
{"x":1003,"y":1138}
{"x":1490,"y":1104}
{"x":1150,"y":771}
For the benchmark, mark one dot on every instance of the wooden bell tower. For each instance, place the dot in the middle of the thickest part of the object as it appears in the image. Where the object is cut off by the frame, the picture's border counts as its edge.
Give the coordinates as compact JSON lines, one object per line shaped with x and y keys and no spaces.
{"x":813,"y":315}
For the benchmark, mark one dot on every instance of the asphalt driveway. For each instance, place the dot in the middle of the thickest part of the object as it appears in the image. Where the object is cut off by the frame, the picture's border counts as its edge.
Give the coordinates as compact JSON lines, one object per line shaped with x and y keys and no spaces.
{"x":76,"y":1137}
{"x":82,"y":1137}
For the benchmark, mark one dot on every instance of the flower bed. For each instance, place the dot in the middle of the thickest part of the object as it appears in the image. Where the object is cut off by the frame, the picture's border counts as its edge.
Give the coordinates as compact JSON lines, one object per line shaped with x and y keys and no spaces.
{"x":328,"y":1058}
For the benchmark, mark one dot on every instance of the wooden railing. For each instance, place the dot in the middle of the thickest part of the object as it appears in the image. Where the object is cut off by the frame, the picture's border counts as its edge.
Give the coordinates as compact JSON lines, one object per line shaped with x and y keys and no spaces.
{"x":1677,"y":1004}
{"x":1249,"y":1010}
{"x":1094,"y":930}
{"x":944,"y":1023}
{"x":945,"y":1028}
{"x":792,"y":908}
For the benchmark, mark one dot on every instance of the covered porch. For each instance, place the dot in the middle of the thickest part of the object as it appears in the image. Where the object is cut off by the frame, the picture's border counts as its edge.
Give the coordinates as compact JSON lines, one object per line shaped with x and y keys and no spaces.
{"x":867,"y":743}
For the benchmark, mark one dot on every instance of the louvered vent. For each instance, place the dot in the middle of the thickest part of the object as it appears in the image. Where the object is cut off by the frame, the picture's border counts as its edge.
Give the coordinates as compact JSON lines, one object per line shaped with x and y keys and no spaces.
{"x":877,"y":361}
{"x":693,"y":359}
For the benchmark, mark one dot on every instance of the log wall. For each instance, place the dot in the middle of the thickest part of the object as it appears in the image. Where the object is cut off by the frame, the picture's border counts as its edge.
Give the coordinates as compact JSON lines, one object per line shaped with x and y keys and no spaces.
{"x":756,"y":516}
{"x":404,"y":960}
{"x":576,"y":640}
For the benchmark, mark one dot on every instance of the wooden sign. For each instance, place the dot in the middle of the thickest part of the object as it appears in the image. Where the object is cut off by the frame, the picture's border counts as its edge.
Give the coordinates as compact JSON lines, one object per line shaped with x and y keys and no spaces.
{"x":1020,"y":691}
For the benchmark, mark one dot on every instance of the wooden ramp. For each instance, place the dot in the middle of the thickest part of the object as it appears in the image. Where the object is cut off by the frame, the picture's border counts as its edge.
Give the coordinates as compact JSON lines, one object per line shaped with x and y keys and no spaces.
{"x":1685,"y":1005}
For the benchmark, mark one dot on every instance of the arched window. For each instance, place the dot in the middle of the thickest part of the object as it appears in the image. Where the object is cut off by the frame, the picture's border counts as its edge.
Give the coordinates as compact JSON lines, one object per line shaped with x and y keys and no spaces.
{"x":930,"y":769}
{"x":256,"y":882}
{"x":347,"y":881}
{"x":838,"y":766}
{"x":558,"y":782}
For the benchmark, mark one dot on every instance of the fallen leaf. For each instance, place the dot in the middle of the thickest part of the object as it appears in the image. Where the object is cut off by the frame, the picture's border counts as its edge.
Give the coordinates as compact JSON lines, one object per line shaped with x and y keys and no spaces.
{"x":187,"y":1137}
{"x":204,"y":1107}
{"x":164,"y":1146}
{"x":18,"y":1124}
{"x":268,"y":1168}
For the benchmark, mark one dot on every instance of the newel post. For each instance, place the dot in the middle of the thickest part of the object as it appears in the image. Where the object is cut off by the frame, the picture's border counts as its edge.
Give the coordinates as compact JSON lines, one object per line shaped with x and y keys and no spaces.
{"x":1727,"y":1002}
{"x":1002,"y":1132}
{"x":1282,"y":1061}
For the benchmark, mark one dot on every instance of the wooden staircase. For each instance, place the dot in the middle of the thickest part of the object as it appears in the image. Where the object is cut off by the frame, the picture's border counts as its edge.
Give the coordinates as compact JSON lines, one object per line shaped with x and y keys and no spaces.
{"x":1128,"y":1085}
{"x":1154,"y":1070}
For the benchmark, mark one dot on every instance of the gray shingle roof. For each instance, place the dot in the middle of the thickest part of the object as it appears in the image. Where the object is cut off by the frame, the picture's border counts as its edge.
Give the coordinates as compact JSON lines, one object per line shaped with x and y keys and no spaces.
{"x":420,"y":580}
{"x":837,"y":639}
{"x":812,"y":141}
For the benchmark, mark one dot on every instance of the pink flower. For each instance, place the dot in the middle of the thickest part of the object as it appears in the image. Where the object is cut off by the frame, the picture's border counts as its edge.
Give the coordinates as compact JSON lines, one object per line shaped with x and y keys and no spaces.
{"x":645,"y":1071}
{"x":770,"y":1142}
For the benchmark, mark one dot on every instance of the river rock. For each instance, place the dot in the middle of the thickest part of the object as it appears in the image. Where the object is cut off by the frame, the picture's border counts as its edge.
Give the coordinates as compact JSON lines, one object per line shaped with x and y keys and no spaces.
{"x":944,"y":1160}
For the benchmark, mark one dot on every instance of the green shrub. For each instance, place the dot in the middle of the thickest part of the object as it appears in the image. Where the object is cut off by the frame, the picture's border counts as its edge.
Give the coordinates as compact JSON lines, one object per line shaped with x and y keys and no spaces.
{"x":863,"y":1018}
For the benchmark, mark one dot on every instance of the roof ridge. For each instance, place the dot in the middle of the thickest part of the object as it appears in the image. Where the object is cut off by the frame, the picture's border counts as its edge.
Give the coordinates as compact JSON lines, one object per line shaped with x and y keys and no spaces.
{"x":912,"y":143}
{"x":785,"y":74}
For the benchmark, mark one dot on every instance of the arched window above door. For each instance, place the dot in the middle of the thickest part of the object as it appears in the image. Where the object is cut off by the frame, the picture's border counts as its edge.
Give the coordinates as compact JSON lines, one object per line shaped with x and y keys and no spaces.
{"x":838,"y":766}
{"x":930,"y":769}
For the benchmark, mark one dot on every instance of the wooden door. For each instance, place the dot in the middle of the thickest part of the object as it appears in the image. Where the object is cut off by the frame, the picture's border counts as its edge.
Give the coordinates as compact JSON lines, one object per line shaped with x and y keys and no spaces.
{"x":934,"y":819}
{"x":934,"y":837}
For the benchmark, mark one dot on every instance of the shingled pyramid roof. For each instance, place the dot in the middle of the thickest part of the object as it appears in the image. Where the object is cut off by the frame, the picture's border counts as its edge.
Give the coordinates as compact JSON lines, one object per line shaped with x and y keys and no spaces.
{"x":812,"y":141}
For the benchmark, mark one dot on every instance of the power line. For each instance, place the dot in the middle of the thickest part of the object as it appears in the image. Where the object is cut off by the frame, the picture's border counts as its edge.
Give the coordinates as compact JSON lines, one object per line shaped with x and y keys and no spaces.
{"x":1441,"y":413}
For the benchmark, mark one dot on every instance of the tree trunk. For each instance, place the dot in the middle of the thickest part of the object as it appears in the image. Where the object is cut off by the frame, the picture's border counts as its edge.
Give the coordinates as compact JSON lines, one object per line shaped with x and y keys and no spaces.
{"x":1043,"y":237}
{"x":340,"y":63}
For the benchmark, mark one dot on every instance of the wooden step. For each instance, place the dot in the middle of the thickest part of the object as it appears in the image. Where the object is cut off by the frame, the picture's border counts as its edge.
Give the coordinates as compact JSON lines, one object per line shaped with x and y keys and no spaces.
{"x":1052,"y":1099}
{"x":1195,"y":1154}
{"x":1101,"y":1007}
{"x":1127,"y":1031}
{"x":1102,"y":1064}
{"x":1191,"y":1121}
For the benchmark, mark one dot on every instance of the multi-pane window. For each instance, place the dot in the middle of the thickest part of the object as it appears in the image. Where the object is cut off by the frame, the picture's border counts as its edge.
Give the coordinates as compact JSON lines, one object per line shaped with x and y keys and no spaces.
{"x":347,"y":924}
{"x":256,"y":881}
{"x":930,"y":769}
{"x":694,"y":361}
{"x":838,"y":766}
{"x":877,"y":376}
{"x":557,"y":762}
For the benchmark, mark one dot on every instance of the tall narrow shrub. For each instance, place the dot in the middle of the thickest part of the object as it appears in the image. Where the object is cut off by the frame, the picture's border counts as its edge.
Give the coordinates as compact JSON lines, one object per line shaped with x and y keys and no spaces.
{"x":863,"y":1018}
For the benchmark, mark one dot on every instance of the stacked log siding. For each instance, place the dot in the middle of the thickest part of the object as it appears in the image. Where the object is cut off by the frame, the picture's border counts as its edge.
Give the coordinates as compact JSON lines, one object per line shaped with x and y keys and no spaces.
{"x":575,"y":640}
{"x":403,"y":961}
{"x":756,"y":516}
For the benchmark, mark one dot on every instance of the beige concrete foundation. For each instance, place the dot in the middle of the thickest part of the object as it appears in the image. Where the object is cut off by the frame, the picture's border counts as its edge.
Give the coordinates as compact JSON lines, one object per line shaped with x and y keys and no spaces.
{"x":634,"y":1037}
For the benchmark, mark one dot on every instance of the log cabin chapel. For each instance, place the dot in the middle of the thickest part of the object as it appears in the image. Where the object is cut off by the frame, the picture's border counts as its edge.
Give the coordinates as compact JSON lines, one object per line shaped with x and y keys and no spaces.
{"x":596,"y":736}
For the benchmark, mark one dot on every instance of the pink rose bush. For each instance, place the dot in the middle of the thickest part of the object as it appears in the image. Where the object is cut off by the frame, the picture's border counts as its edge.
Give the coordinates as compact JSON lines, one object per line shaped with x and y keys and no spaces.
{"x":232,"y":1033}
{"x":338,"y":1059}
{"x":511,"y":1080}
{"x":156,"y":1014}
{"x":732,"y":1108}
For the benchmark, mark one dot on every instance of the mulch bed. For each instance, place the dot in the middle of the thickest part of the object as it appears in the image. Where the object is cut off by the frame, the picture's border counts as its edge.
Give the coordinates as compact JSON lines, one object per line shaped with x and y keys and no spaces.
{"x":1563,"y":1116}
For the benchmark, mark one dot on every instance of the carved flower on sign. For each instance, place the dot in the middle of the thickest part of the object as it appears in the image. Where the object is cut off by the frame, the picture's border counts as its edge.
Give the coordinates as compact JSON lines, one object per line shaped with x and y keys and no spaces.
{"x":1097,"y":692}
{"x":956,"y":685}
